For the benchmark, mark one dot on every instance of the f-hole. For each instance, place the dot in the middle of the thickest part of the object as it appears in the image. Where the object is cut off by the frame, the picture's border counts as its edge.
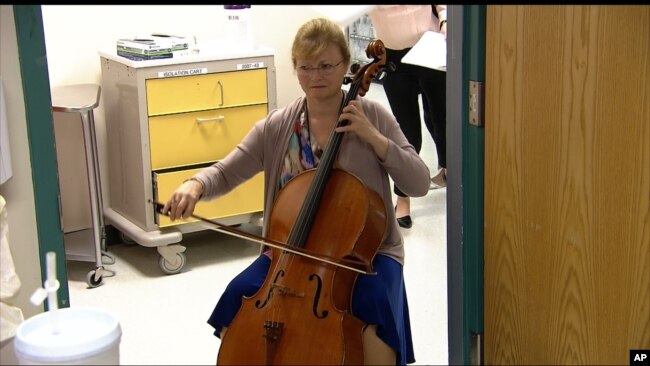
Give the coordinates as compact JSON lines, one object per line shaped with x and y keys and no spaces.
{"x":319,"y":285}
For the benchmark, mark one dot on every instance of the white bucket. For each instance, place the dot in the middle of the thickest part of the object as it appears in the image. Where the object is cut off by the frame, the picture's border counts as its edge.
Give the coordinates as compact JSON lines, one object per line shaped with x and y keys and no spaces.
{"x":86,"y":336}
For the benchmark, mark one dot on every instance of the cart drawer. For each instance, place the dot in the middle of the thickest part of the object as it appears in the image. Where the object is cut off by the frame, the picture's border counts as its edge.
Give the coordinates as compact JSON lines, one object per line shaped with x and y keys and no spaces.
{"x":206,"y":91}
{"x":247,"y":198}
{"x":199,"y":137}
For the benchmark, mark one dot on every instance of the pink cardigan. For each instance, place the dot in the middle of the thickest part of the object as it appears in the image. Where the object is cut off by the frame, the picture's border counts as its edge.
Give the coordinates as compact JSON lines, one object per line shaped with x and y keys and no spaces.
{"x":401,"y":26}
{"x":265,"y":146}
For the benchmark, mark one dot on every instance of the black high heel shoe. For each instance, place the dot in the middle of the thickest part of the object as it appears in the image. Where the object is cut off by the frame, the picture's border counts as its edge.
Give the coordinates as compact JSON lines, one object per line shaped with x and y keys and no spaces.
{"x":404,"y":221}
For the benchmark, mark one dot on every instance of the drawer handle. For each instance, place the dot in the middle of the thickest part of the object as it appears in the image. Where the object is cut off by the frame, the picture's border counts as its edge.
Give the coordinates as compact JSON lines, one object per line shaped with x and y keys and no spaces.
{"x":211,"y":119}
{"x":221,"y":87}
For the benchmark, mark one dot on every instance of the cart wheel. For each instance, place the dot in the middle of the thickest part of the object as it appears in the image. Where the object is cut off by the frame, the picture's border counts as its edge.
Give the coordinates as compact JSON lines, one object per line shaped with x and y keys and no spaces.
{"x":126,"y":240}
{"x":90,"y":279}
{"x":172,"y":268}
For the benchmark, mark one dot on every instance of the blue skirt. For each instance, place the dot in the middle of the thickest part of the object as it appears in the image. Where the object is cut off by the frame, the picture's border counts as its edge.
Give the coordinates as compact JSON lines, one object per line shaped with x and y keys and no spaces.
{"x":377,"y":299}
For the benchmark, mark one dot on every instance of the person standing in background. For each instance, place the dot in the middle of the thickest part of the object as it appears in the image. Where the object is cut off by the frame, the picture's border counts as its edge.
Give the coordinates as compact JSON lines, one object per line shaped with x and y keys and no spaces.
{"x":400,"y":27}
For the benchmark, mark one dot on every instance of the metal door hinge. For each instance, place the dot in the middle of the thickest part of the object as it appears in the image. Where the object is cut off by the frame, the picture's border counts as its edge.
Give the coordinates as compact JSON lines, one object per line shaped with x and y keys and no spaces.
{"x":476,"y":103}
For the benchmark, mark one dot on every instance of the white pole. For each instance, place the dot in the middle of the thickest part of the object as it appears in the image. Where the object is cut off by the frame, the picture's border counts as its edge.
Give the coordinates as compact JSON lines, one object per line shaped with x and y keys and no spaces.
{"x":51,"y":286}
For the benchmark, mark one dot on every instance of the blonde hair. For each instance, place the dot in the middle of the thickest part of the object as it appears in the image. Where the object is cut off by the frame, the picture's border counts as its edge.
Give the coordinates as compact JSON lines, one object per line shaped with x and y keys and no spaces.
{"x":314,"y":36}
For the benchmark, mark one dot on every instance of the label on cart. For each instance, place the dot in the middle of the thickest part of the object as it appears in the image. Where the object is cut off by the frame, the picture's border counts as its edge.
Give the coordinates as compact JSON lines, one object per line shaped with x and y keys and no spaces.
{"x":188,"y":72}
{"x":250,"y":65}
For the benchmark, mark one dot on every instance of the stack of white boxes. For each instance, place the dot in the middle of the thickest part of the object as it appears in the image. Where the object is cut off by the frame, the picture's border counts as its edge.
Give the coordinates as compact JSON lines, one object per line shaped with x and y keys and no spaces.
{"x":155,"y":46}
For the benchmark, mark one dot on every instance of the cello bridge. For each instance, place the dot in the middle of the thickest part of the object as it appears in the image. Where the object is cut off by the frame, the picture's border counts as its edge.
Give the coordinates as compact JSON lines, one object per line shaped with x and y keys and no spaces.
{"x":283,"y":290}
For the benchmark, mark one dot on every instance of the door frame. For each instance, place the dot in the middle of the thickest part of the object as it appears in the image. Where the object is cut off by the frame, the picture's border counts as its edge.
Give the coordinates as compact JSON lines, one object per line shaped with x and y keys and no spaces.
{"x":465,"y":151}
{"x":40,"y":131}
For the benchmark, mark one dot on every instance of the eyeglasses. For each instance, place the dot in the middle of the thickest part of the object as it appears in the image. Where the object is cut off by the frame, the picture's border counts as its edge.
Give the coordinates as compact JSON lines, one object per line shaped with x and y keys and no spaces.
{"x":323,"y":69}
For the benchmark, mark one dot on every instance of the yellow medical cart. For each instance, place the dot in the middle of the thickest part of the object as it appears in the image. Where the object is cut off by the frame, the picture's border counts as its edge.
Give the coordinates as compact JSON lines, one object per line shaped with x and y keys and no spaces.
{"x":168,"y":118}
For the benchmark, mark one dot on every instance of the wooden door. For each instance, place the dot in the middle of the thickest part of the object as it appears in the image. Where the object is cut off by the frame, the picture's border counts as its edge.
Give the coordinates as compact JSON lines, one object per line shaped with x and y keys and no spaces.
{"x":567,"y":184}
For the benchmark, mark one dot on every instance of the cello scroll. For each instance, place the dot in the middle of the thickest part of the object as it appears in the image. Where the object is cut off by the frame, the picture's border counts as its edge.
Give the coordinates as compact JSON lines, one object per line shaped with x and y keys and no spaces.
{"x":372,"y":70}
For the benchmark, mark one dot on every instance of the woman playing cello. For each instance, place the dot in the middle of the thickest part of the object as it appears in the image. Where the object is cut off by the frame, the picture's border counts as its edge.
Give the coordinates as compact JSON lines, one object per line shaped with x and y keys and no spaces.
{"x":290,"y":141}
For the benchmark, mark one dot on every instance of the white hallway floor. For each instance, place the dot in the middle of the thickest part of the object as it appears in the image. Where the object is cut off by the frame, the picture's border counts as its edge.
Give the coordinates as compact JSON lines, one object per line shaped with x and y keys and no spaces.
{"x":163,"y":317}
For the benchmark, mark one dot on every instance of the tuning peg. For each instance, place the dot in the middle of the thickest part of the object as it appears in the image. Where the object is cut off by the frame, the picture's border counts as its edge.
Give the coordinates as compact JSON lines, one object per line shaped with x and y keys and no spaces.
{"x":381,"y":75}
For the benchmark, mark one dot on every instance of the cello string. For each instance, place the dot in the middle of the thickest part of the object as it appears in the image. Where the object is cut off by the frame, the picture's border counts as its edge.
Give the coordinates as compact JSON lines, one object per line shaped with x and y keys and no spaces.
{"x":300,"y":231}
{"x":320,"y":177}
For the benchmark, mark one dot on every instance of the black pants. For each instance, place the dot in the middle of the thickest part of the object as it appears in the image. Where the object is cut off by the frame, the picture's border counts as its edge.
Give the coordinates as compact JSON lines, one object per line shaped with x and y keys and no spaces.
{"x":403,"y":87}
